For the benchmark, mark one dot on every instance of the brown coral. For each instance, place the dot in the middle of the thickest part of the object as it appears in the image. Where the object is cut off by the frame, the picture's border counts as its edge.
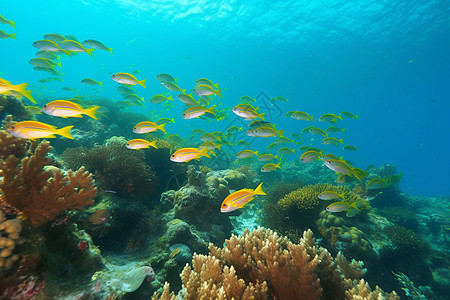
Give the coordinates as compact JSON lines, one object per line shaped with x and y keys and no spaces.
{"x":262,"y":265}
{"x":41,"y":195}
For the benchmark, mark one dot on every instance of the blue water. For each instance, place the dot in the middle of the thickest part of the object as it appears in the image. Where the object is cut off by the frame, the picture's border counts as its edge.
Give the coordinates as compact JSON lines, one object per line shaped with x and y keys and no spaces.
{"x":387,"y":61}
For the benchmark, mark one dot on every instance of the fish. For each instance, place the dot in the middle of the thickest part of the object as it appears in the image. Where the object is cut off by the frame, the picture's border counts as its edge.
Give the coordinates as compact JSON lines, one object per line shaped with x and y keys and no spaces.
{"x":270,"y":167}
{"x":282,"y":140}
{"x":55,"y":37}
{"x":188,"y":99}
{"x":140,"y":144}
{"x":197,"y":111}
{"x":330,"y":195}
{"x":309,"y":156}
{"x":68,"y":89}
{"x":209,"y":137}
{"x":210,"y":146}
{"x":394,"y":179}
{"x":329,"y":156}
{"x":306,"y":130}
{"x":48,"y":45}
{"x":165,"y":121}
{"x":147,"y":126}
{"x":329,"y":118}
{"x":188,"y":154}
{"x":278,"y":98}
{"x":377,"y":183}
{"x":71,"y":37}
{"x":157,"y":99}
{"x":240,"y":198}
{"x":174,"y":138}
{"x":242,"y":143}
{"x":248,"y":112}
{"x":334,"y":129}
{"x":4,"y":35}
{"x":6,"y":87}
{"x":203,"y":81}
{"x":264,"y":132}
{"x":198,"y":131}
{"x":267,"y":157}
{"x":272,"y":146}
{"x":344,"y":178}
{"x":35,"y":130}
{"x":350,"y":148}
{"x":126,"y":78}
{"x":173,"y":87}
{"x":332,"y":141}
{"x":66,"y":109}
{"x":35,"y":110}
{"x":348,"y":114}
{"x":126,"y":89}
{"x":4,"y":21}
{"x":43,"y":62}
{"x":340,"y":166}
{"x":45,"y":80}
{"x":47,"y":54}
{"x":206,"y":90}
{"x":286,"y":151}
{"x":247,"y":99}
{"x":96,"y":45}
{"x":165,"y":78}
{"x":318,"y":131}
{"x":299,"y":115}
{"x":259,"y":123}
{"x":351,"y":208}
{"x":75,"y":47}
{"x":246,"y":153}
{"x":89,"y":81}
{"x":51,"y":71}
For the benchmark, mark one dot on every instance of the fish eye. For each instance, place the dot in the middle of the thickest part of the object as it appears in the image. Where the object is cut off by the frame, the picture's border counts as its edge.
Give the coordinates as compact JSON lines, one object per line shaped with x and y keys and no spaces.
{"x":224,"y":205}
{"x":173,"y":155}
{"x":13,"y":127}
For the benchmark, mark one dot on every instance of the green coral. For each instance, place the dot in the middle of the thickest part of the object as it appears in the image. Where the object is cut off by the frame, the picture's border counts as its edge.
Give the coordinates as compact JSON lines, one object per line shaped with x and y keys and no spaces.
{"x":407,"y":240}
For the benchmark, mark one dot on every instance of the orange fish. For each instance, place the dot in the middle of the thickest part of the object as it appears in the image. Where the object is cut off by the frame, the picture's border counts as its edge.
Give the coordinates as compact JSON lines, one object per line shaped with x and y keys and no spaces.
{"x":36,"y":130}
{"x":188,"y":154}
{"x":239,"y":198}
{"x":65,"y":109}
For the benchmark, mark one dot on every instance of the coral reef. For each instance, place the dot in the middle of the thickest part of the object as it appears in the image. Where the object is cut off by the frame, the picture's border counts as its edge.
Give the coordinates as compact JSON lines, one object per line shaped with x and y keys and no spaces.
{"x":260,"y":263}
{"x":15,"y":107}
{"x":42,"y":194}
{"x":9,"y":237}
{"x":401,"y":216}
{"x":116,"y":168}
{"x":407,"y":241}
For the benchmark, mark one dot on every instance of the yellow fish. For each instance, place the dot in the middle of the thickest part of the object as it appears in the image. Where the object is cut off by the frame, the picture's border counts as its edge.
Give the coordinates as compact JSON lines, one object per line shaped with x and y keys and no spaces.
{"x":126,"y":78}
{"x":140,"y":144}
{"x":36,"y":130}
{"x":6,"y":88}
{"x":197,"y":111}
{"x":206,"y":90}
{"x":270,"y":167}
{"x":146,"y":126}
{"x":4,"y":35}
{"x":4,"y":21}
{"x":66,"y":109}
{"x":75,"y":47}
{"x":239,"y":198}
{"x":188,"y":154}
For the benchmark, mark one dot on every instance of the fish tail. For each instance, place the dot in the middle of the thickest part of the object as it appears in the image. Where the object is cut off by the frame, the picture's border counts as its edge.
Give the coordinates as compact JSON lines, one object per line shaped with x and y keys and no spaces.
{"x":12,"y":35}
{"x":12,"y":23}
{"x":333,"y":121}
{"x":212,"y":152}
{"x":21,"y":88}
{"x":65,"y":132}
{"x":161,"y":127}
{"x":216,"y":85}
{"x":280,"y":132}
{"x":256,"y":153}
{"x":153,"y":144}
{"x":184,"y":91}
{"x":261,"y":116}
{"x":278,"y":164}
{"x":341,"y":141}
{"x":356,"y":117}
{"x":219,"y":146}
{"x":89,"y":51}
{"x":91,"y":112}
{"x":312,"y":119}
{"x":110,"y":50}
{"x":343,"y":129}
{"x":218,"y":93}
{"x":258,"y":190}
{"x":58,"y":64}
{"x":170,"y":97}
{"x":100,"y":83}
{"x":339,"y":117}
{"x":211,"y":110}
{"x":276,"y":156}
{"x":204,"y":152}
{"x":356,"y":175}
{"x":343,"y":194}
{"x":142,"y":82}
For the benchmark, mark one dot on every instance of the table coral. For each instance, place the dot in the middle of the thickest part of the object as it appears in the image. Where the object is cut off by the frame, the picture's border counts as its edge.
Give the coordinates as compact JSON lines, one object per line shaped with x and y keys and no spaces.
{"x":262,"y":265}
{"x":41,"y":195}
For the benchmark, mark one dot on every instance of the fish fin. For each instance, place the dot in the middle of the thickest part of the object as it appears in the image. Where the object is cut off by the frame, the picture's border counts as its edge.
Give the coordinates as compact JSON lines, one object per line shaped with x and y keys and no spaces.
{"x":204,"y":152}
{"x":216,"y":85}
{"x":110,"y":50}
{"x":343,"y":194}
{"x":333,"y":121}
{"x":184,"y":91}
{"x":212,"y":152}
{"x":280,"y":132}
{"x":66,"y":52}
{"x":278,"y":164}
{"x":91,"y":112}
{"x":357,"y":177}
{"x":211,"y":110}
{"x":258,"y":190}
{"x":218,"y":93}
{"x":65,"y":132}
{"x":170,"y":97}
{"x":276,"y":156}
{"x":343,"y":129}
{"x":261,"y":116}
{"x":161,"y":127}
{"x":356,"y":117}
{"x":142,"y":82}
{"x":256,"y":153}
{"x":153,"y":144}
{"x":58,"y":64}
{"x":21,"y":88}
{"x":100,"y":83}
{"x":12,"y":23}
{"x":89,"y":51}
{"x":219,"y":146}
{"x":341,"y":141}
{"x":12,"y":35}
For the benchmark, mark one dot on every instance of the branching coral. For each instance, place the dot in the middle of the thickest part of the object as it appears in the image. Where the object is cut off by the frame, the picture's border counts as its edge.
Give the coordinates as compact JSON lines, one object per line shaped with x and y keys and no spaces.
{"x":115,"y":167}
{"x":260,"y":265}
{"x":41,"y":195}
